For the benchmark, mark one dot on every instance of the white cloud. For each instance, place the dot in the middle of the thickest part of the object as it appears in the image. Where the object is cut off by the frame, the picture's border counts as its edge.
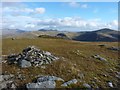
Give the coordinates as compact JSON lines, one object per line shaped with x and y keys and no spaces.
{"x":66,"y":23}
{"x":114,"y":23}
{"x":29,"y":26}
{"x":77,"y":4}
{"x":74,"y":4}
{"x":16,"y":11}
{"x":40,"y":10}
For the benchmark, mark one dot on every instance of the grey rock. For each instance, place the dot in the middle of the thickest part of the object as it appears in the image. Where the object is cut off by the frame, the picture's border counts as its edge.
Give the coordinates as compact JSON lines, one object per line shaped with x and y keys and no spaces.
{"x":1,"y":78}
{"x":110,"y":84}
{"x":49,"y":78}
{"x":99,"y":58}
{"x":73,"y":81}
{"x":43,"y":67}
{"x":81,"y":75}
{"x":25,"y":64}
{"x":6,"y":77}
{"x":45,"y":84}
{"x":114,"y":48}
{"x":86,"y":85}
{"x":7,"y":85}
{"x":30,"y":86}
{"x":118,"y":75}
{"x":47,"y":53}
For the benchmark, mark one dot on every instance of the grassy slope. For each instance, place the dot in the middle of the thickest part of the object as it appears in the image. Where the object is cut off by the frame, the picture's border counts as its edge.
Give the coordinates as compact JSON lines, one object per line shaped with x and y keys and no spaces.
{"x":72,"y":64}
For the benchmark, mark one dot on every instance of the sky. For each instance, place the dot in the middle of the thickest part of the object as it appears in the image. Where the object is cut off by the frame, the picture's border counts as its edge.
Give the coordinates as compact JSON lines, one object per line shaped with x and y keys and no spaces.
{"x":63,"y":16}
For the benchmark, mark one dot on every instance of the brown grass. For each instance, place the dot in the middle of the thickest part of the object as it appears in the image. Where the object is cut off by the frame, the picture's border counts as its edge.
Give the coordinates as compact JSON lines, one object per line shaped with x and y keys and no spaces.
{"x":71,"y":65}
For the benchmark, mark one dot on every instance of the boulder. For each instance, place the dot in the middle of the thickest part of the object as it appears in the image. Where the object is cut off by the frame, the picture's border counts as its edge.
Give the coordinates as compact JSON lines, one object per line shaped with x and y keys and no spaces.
{"x":44,"y":82}
{"x":49,"y":78}
{"x":73,"y":81}
{"x":25,"y":64}
{"x":41,"y":85}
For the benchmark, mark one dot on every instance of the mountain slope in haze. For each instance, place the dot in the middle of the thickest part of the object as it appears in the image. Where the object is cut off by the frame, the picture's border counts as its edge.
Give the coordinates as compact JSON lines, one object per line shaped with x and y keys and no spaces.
{"x":12,"y":31}
{"x":105,"y":34}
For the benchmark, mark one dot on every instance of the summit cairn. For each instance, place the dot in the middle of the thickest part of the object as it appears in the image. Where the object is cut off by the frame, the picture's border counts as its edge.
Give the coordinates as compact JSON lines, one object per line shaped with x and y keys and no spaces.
{"x":31,"y":56}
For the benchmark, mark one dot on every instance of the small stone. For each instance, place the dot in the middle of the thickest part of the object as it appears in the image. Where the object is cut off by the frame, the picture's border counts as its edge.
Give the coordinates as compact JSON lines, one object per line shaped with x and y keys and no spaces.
{"x":47,"y":53}
{"x":86,"y":85}
{"x":81,"y":75}
{"x":43,"y":67}
{"x":99,"y":58}
{"x":110,"y":84}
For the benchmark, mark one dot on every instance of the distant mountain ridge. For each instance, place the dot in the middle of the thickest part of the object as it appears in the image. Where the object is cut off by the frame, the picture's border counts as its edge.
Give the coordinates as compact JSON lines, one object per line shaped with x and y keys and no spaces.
{"x":104,"y":34}
{"x":12,"y":31}
{"x":99,"y":35}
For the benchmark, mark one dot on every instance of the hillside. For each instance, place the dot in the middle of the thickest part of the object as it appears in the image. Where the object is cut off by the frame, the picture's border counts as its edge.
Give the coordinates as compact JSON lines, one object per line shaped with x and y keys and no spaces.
{"x":99,"y":35}
{"x":76,"y":62}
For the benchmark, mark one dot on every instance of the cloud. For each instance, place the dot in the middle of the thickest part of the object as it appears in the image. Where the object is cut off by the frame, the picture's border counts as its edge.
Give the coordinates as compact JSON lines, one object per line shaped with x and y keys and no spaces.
{"x":66,"y":23}
{"x":16,"y":11}
{"x":77,"y":4}
{"x":74,"y":4}
{"x":29,"y":26}
{"x":40,"y":10}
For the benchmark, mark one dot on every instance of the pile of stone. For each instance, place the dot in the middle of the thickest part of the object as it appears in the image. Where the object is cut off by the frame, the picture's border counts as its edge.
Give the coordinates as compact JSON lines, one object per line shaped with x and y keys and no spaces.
{"x":99,"y":57}
{"x":31,"y":56}
{"x":44,"y":82}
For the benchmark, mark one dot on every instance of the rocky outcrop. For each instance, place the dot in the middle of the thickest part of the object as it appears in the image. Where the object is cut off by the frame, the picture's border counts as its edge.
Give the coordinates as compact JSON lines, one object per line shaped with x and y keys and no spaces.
{"x":44,"y":82}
